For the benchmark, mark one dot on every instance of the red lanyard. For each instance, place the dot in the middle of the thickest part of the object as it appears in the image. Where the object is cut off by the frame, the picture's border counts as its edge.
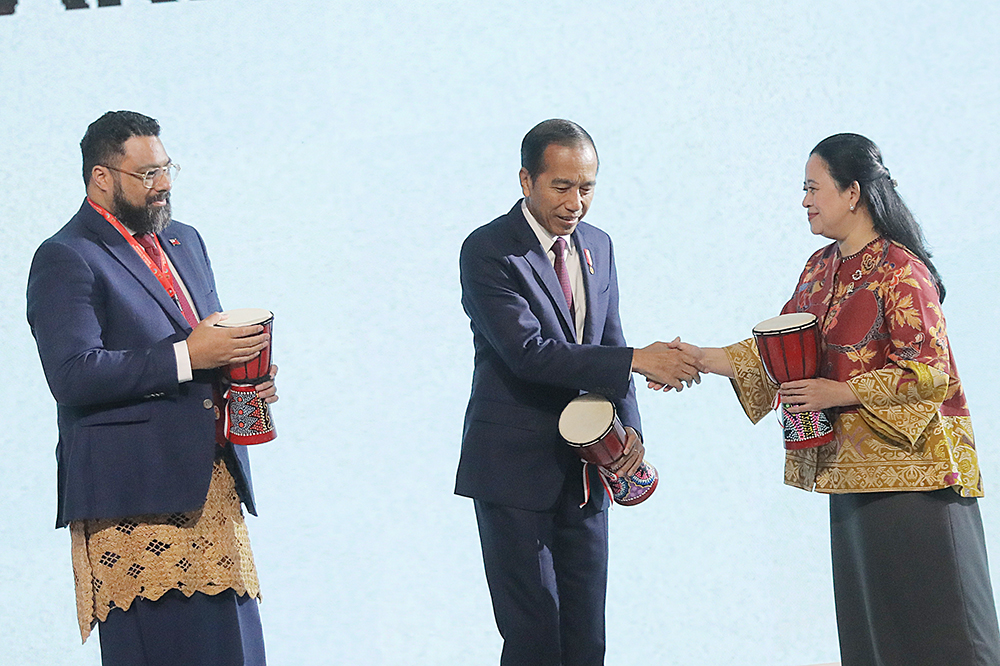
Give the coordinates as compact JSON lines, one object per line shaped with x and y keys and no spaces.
{"x":162,"y":272}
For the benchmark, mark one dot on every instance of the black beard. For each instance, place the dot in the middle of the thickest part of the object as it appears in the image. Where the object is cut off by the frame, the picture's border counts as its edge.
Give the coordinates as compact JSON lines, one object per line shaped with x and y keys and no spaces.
{"x":142,"y":219}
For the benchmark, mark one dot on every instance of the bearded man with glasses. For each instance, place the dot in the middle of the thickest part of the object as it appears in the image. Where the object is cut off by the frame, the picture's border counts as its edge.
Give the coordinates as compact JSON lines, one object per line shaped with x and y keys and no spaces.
{"x":122,"y":303}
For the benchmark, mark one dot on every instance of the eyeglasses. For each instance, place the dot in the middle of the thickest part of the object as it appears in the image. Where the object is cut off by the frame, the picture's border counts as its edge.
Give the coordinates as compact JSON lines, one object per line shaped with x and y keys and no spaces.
{"x":150,"y":177}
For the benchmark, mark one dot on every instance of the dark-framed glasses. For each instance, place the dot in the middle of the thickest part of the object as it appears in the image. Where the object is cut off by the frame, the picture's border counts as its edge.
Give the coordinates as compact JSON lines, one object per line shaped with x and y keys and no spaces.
{"x":150,"y":177}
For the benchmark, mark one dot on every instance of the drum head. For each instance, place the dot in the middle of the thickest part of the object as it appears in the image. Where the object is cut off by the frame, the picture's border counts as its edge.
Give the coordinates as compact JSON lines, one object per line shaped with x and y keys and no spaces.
{"x":246,"y":317}
{"x":586,"y":419}
{"x":785,"y":322}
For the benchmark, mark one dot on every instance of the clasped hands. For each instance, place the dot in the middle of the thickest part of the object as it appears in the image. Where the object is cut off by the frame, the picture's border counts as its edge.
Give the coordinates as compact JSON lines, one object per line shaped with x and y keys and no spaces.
{"x":669,"y":365}
{"x":804,"y":395}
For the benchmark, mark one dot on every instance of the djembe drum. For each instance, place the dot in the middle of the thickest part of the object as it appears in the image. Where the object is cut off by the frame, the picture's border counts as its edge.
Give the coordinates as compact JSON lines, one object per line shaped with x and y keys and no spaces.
{"x":248,"y":418}
{"x":789,"y":347}
{"x":590,"y":424}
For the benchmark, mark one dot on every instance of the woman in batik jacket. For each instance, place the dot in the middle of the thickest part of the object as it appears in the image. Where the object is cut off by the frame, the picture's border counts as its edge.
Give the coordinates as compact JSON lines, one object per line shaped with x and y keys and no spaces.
{"x":911,"y":581}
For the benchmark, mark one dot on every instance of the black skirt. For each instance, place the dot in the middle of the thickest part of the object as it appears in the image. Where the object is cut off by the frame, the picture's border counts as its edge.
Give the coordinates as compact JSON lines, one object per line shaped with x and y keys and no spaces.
{"x":911,"y":580}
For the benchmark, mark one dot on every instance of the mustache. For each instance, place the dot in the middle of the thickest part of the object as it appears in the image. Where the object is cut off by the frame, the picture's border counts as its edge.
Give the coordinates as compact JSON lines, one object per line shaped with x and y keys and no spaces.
{"x":153,"y":198}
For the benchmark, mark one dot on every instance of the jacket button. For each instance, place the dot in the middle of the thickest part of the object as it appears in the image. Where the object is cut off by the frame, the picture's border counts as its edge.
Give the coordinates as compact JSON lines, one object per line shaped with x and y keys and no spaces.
{"x":218,"y":414}
{"x":208,"y":404}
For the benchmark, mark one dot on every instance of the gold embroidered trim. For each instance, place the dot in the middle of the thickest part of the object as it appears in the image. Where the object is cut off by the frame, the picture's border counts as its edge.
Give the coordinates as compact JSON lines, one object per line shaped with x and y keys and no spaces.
{"x":208,"y":551}
{"x":858,"y":460}
{"x":900,"y":402}
{"x":753,"y":387}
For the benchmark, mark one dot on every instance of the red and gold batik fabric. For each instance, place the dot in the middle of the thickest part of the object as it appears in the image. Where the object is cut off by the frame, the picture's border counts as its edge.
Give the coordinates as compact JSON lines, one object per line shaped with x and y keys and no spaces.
{"x":208,"y":551}
{"x":884,"y":334}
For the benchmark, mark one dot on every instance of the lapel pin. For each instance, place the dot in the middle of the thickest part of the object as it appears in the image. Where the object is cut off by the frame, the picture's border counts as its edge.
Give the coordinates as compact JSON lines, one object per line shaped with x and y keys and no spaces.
{"x":590,"y":261}
{"x":174,"y":241}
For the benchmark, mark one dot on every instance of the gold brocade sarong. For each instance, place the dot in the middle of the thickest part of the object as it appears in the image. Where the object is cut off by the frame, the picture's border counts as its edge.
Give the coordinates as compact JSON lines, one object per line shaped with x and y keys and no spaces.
{"x":208,"y":551}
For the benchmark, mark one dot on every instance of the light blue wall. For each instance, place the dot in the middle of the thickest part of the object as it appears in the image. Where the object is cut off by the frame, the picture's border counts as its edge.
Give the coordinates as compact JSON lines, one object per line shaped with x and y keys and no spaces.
{"x":336,"y":154}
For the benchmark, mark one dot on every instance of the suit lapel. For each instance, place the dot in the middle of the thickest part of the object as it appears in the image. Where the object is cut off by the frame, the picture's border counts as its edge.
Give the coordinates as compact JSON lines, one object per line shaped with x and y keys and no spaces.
{"x":539,"y":261}
{"x":180,"y":257}
{"x":582,"y":238}
{"x":121,"y":250}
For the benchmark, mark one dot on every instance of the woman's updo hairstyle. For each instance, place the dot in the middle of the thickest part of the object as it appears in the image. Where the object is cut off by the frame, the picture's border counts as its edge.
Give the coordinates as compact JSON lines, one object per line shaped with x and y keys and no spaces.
{"x":852,"y":157}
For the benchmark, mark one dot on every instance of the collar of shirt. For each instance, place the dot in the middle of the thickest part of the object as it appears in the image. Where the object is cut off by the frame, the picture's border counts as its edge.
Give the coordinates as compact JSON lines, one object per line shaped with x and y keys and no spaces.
{"x":572,"y":258}
{"x":545,"y":239}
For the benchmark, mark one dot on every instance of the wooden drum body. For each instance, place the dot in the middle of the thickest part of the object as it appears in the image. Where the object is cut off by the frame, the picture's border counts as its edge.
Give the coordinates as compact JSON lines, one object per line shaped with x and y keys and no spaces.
{"x":789,"y":346}
{"x":248,"y":418}
{"x":790,"y":349}
{"x":590,"y":425}
{"x":254,"y":371}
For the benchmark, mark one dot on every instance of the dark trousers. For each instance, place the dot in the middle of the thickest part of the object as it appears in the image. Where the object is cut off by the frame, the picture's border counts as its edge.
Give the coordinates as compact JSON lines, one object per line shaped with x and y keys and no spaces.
{"x":911,"y":580}
{"x":203,"y":630}
{"x":548,"y":575}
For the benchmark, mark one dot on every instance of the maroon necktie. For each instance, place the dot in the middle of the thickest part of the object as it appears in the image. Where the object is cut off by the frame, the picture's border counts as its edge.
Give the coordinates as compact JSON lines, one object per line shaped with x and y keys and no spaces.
{"x":153,"y":250}
{"x":559,"y":247}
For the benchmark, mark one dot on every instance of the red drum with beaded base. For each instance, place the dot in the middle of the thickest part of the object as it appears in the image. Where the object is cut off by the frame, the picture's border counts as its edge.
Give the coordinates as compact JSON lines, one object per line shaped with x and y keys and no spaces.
{"x":248,"y":418}
{"x":590,"y":425}
{"x":790,"y":348}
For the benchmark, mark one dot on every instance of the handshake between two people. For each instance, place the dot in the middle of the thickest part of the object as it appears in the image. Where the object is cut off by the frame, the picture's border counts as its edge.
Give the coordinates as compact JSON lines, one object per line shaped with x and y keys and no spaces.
{"x":670,"y":365}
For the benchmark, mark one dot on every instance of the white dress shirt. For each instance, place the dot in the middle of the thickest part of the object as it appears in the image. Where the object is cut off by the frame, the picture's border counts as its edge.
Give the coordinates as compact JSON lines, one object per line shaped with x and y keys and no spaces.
{"x":573,"y":267}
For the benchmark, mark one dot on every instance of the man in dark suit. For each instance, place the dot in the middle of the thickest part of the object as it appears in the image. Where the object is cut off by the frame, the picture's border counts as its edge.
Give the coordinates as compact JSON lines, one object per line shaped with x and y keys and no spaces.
{"x":114,"y":302}
{"x":540,"y":288}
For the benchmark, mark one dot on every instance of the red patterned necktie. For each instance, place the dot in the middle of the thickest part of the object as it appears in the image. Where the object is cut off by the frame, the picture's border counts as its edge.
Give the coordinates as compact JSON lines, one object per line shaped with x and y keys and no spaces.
{"x":149,"y":244}
{"x":559,"y":247}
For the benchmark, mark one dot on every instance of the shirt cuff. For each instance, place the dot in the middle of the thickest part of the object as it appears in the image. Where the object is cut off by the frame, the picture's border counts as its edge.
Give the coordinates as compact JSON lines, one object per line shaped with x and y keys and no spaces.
{"x":184,"y":372}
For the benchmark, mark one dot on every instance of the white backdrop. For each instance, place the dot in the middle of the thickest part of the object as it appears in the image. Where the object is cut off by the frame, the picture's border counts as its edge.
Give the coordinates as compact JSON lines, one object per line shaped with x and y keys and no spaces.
{"x":336,"y":154}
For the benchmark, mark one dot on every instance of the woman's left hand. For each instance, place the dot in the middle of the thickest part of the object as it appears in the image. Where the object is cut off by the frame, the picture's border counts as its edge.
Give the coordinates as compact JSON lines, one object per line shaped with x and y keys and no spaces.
{"x":812,"y":395}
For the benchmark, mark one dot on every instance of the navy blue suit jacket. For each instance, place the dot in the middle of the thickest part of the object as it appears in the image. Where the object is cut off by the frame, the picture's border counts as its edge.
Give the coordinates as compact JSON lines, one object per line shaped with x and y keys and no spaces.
{"x":528,"y":365}
{"x":132,"y":439}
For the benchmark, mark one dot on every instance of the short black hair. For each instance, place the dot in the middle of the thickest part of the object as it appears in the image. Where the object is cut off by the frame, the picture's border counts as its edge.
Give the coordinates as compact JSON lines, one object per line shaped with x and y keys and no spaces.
{"x":548,"y":132}
{"x":104,"y":142}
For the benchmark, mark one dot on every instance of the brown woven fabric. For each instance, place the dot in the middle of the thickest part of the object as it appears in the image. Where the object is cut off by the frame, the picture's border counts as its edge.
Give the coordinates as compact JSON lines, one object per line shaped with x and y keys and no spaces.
{"x":208,"y":551}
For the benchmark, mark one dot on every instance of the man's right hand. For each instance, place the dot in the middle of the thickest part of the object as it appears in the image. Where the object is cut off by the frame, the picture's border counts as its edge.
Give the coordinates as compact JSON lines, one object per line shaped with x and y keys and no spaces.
{"x":211,"y":346}
{"x":666,"y":365}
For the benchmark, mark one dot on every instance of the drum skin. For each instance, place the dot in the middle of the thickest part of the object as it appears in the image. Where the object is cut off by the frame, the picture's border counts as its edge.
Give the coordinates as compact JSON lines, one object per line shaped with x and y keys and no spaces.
{"x":607,"y":449}
{"x":590,"y":424}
